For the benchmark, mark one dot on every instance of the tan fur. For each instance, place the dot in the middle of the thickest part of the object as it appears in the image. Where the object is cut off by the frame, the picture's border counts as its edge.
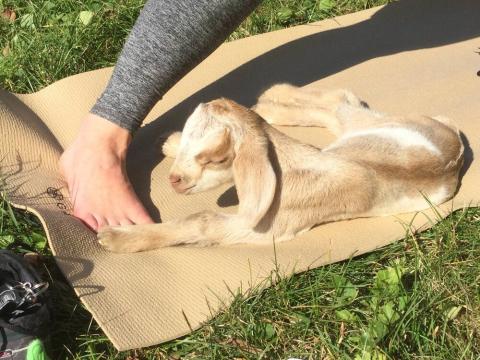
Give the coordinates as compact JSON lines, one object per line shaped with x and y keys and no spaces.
{"x":379,"y":165}
{"x":218,"y":150}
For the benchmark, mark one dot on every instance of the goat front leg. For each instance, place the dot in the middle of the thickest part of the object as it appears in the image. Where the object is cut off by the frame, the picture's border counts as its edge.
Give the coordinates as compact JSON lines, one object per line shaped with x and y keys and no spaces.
{"x":201,"y":229}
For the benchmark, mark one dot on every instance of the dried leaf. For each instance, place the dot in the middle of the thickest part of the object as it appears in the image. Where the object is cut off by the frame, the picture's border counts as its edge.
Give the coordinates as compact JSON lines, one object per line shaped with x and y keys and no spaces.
{"x":9,"y":15}
{"x":6,"y":51}
{"x":243,"y":345}
{"x":342,"y":333}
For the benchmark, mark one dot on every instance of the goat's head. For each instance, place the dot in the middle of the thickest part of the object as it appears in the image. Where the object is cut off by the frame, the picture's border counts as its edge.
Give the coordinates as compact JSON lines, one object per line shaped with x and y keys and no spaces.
{"x":223,"y":142}
{"x":206,"y":151}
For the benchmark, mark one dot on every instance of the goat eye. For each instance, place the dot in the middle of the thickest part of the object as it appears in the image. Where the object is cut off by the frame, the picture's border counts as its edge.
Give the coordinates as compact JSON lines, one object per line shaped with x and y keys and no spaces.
{"x":221,"y":161}
{"x":206,"y":162}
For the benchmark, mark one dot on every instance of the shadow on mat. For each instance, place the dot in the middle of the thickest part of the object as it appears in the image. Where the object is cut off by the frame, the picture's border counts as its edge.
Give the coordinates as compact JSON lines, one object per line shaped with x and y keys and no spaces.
{"x":76,"y":269}
{"x":400,"y":26}
{"x":18,"y":171}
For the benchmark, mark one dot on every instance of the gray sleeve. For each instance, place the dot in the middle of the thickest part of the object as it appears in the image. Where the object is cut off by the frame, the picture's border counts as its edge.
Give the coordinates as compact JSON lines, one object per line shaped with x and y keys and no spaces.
{"x":169,"y":38}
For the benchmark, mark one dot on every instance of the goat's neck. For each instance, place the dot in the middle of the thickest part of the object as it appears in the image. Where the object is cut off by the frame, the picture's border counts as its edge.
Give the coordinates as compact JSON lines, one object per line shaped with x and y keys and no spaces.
{"x":288,"y":151}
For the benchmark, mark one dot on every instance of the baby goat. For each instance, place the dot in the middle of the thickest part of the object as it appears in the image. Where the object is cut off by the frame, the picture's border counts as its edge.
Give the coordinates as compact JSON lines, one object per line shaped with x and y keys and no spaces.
{"x":379,"y":165}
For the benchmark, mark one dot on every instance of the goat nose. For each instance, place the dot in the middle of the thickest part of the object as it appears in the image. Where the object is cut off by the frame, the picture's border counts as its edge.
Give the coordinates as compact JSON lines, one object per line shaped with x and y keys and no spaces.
{"x":174,"y":178}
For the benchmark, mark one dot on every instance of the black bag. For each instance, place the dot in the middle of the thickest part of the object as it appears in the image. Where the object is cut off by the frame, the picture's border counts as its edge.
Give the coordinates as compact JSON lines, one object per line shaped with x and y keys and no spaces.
{"x":24,"y":302}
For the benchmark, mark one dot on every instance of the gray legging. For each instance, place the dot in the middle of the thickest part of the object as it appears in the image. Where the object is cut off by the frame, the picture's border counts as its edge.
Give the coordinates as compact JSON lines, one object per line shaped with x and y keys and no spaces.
{"x":169,"y":38}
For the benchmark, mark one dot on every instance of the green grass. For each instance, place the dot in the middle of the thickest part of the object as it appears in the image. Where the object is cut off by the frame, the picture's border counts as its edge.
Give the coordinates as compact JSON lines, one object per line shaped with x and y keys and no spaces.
{"x":52,"y":39}
{"x":416,"y":299}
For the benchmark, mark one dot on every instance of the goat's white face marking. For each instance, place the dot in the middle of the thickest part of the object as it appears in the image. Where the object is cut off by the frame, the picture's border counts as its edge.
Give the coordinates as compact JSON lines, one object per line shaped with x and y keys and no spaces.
{"x":204,"y":158}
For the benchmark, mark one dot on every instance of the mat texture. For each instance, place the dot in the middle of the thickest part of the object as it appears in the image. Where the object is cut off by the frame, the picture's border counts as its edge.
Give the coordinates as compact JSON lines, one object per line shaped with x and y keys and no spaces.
{"x":407,"y":57}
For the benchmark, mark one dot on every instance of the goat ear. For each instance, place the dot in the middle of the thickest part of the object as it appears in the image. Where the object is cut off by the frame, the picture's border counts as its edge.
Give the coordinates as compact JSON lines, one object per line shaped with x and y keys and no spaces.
{"x":171,"y":145}
{"x":255,"y":180}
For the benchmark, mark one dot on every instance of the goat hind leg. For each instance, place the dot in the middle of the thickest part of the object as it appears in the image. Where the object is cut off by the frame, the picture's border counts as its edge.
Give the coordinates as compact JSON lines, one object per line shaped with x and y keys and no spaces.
{"x":293,"y":106}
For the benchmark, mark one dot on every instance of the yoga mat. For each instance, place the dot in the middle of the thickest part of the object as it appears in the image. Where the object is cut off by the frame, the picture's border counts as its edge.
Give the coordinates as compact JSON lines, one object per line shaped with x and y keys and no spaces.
{"x":410,"y":56}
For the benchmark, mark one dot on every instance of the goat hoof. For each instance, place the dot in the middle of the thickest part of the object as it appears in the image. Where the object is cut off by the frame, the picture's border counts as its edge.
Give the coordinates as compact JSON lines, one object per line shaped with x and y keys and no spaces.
{"x":117,"y":240}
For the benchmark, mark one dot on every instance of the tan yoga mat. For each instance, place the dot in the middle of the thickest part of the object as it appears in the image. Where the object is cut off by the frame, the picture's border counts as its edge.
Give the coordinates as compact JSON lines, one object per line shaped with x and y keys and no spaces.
{"x":410,"y":56}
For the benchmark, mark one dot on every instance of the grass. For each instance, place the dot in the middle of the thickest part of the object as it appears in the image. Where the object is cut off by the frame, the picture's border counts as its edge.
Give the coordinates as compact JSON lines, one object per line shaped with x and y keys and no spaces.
{"x":416,"y":299}
{"x":51,"y":39}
